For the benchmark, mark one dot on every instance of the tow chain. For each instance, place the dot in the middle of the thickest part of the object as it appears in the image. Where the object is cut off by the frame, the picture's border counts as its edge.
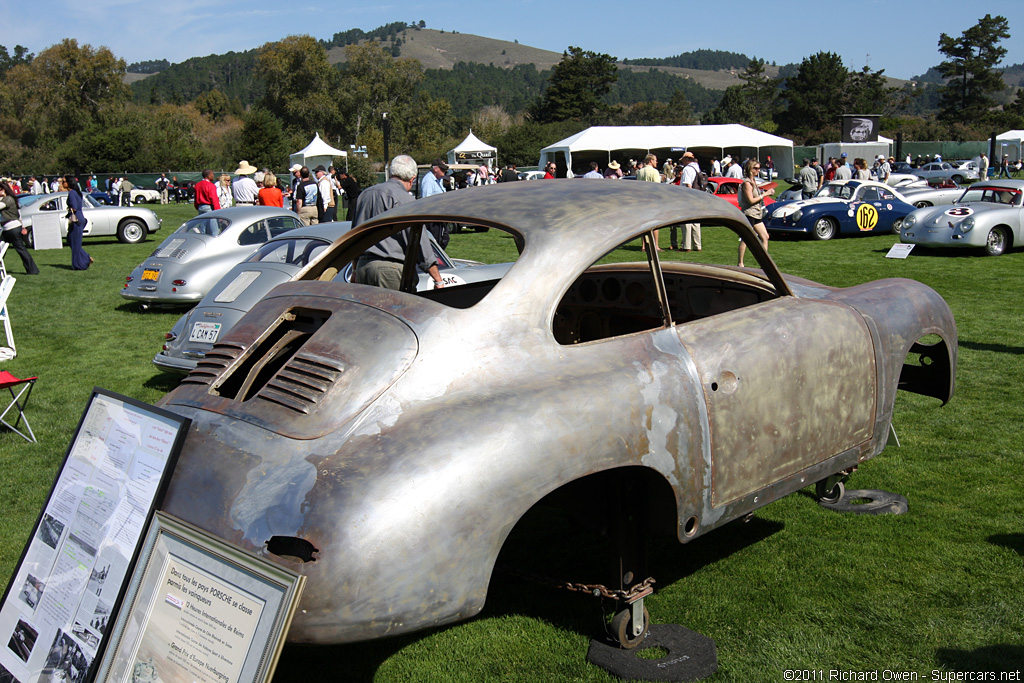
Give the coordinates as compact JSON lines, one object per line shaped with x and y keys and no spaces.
{"x":598,"y":590}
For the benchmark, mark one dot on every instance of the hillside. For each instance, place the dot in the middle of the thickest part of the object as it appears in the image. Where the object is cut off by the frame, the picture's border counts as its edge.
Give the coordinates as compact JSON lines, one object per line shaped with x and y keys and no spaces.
{"x":444,"y":49}
{"x":435,"y":50}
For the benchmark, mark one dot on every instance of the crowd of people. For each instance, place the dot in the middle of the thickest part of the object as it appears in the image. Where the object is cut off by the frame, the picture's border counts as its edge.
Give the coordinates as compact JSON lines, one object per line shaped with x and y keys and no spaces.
{"x":314,"y":195}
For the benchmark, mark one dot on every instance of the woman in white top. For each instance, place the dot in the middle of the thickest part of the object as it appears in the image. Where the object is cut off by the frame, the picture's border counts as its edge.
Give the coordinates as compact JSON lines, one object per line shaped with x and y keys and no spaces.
{"x":224,"y":194}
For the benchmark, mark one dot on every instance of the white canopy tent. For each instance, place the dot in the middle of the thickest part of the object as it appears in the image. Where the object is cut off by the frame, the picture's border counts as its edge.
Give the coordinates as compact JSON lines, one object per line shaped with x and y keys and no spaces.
{"x":316,"y":153}
{"x":868,"y":151}
{"x":604,"y":144}
{"x":1011,"y":144}
{"x":473,"y":150}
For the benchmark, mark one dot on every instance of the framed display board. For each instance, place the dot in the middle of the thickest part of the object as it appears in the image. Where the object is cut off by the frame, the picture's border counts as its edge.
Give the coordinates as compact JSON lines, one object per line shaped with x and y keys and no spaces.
{"x":57,"y":611}
{"x":200,"y":610}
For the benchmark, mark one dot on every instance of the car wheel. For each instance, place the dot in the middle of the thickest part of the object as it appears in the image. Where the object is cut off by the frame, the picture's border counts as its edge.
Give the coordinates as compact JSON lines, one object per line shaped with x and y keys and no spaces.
{"x":922,"y":205}
{"x":622,"y":628}
{"x":824,"y":228}
{"x":996,"y":242}
{"x":480,"y":228}
{"x":131,"y":231}
{"x":897,"y":226}
{"x":832,"y":495}
{"x":958,"y":179}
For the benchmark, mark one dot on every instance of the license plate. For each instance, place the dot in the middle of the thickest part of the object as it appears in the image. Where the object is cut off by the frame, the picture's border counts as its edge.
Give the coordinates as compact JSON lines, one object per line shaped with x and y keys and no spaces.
{"x":153,"y":275}
{"x":206,"y":333}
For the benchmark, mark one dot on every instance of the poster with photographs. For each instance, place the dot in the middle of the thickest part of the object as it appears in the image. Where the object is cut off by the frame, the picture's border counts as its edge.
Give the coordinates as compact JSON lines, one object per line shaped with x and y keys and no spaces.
{"x":56,"y":612}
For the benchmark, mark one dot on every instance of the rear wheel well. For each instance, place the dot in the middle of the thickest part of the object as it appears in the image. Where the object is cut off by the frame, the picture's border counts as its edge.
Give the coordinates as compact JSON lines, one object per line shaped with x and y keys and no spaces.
{"x":572,"y":533}
{"x":927,"y":369}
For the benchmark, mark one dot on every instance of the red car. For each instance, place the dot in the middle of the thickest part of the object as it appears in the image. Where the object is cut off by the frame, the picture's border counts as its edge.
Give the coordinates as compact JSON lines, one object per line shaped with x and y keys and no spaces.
{"x":729,"y":188}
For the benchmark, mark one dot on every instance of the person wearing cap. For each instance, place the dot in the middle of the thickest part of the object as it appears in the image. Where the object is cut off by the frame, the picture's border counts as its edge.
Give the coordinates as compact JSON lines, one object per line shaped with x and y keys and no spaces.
{"x":381,"y":264}
{"x":844,"y":172}
{"x":294,"y":170}
{"x":691,"y":231}
{"x":244,"y":188}
{"x":508,"y":174}
{"x":882,"y":169}
{"x":325,"y":196}
{"x":431,"y":183}
{"x":735,"y":170}
{"x":305,"y":198}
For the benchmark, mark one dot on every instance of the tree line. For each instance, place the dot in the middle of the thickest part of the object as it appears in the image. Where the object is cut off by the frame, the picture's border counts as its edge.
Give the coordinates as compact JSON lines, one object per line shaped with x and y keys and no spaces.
{"x":68,"y":108}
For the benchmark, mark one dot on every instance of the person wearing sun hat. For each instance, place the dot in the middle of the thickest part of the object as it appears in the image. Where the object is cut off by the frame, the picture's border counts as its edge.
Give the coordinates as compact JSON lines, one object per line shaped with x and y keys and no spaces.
{"x":243,"y":187}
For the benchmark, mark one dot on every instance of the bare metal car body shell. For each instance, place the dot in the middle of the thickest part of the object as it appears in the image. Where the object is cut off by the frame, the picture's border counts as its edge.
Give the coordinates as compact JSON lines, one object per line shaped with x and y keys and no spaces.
{"x":418,"y":457}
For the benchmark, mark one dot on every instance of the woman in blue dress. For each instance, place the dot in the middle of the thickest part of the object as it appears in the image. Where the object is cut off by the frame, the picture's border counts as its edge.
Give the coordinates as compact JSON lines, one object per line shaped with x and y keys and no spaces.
{"x":80,"y":260}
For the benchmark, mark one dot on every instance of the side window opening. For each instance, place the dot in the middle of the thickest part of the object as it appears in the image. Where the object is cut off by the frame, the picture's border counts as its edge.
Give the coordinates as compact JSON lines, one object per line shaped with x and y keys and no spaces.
{"x":254,"y":234}
{"x":612,"y":299}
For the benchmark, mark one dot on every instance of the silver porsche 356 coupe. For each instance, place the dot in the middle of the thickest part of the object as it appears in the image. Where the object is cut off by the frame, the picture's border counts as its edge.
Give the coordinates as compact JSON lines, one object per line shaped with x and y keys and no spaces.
{"x":337,"y":430}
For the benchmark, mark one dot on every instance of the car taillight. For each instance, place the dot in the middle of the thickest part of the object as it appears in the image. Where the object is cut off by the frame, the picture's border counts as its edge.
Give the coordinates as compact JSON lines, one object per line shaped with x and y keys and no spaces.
{"x":170,"y":336}
{"x":178,"y":283}
{"x":129,"y":279}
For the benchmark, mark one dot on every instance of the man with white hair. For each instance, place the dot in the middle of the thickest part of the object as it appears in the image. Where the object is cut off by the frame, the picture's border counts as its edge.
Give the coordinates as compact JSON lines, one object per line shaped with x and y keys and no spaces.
{"x":381,"y":264}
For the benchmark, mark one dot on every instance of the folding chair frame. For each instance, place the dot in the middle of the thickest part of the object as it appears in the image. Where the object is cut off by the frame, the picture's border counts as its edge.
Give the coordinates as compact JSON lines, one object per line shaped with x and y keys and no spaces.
{"x":18,"y":401}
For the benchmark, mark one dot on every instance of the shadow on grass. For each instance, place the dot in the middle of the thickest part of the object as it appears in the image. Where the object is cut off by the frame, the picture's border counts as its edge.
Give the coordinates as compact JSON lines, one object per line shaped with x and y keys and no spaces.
{"x":991,"y":658}
{"x":545,"y":543}
{"x":163,"y":381}
{"x":1014,"y":542}
{"x":998,"y":348}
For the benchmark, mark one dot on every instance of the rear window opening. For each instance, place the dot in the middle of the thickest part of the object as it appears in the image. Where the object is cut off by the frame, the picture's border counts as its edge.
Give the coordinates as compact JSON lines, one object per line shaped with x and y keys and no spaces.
{"x":466,"y":265}
{"x":270,"y":354}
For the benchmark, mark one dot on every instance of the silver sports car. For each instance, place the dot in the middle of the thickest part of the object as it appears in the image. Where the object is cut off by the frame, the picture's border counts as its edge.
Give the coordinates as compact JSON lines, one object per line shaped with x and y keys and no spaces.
{"x":932,"y":192}
{"x":385,"y":443}
{"x":191,"y":260}
{"x":131,"y":224}
{"x":277,"y":261}
{"x":989,"y":215}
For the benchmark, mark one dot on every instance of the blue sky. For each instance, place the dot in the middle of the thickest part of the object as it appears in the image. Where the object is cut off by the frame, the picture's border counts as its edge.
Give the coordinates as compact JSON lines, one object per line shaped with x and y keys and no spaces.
{"x":899,"y":36}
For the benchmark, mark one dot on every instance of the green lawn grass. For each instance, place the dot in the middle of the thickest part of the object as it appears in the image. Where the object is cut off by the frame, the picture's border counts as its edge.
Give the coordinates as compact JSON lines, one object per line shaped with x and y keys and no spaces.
{"x":797,"y":587}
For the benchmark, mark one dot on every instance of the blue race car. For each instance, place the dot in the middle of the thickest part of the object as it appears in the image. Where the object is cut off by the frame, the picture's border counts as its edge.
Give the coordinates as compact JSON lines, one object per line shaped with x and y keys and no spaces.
{"x":849,"y":207}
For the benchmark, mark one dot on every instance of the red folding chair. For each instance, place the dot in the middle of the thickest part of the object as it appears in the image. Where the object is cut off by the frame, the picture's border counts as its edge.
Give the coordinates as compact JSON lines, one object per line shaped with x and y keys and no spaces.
{"x":19,"y":399}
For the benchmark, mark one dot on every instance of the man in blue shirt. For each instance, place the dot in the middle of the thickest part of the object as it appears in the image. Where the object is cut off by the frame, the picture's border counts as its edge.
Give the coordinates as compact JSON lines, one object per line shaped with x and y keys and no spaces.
{"x":430,"y":184}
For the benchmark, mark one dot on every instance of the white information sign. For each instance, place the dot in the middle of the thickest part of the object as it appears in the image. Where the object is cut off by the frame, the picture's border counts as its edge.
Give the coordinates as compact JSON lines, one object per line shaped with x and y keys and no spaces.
{"x":900,"y":251}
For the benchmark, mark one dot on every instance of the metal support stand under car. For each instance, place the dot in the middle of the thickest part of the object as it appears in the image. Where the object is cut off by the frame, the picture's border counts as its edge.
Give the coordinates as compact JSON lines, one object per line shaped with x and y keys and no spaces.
{"x":690,"y":655}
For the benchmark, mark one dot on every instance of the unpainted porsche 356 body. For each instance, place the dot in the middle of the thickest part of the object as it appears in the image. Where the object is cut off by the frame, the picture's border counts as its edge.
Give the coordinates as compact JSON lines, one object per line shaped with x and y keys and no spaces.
{"x":384,"y":443}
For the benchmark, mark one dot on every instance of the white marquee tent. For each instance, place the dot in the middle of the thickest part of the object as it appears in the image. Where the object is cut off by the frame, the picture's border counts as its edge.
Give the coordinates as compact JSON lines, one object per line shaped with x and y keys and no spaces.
{"x":1010,"y":143}
{"x":316,"y":153}
{"x":473,"y":150}
{"x":604,"y":144}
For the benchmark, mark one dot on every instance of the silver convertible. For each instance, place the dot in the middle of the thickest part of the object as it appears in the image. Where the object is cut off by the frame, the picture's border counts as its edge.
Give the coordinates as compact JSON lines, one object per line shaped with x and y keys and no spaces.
{"x":192,"y":258}
{"x":130,"y":224}
{"x":338,"y":431}
{"x":195,"y":333}
{"x":989,"y":215}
